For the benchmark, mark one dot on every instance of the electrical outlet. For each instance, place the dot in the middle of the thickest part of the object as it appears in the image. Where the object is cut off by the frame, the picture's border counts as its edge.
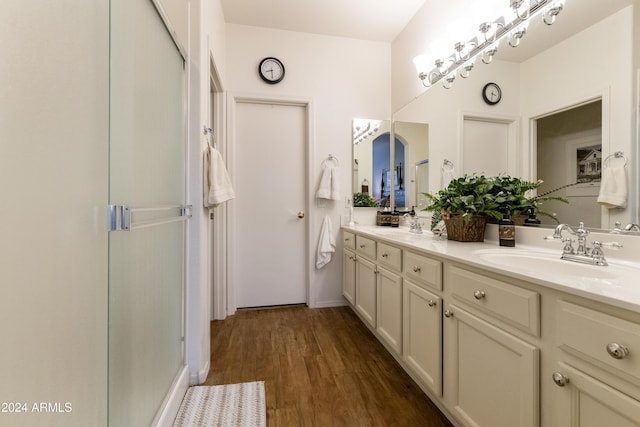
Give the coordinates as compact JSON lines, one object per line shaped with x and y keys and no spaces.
{"x":348,"y":202}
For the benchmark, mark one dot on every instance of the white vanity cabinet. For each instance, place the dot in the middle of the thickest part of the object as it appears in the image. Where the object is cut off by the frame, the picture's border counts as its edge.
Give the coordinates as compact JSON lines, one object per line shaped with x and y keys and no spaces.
{"x":389,"y":296}
{"x":422,"y":334}
{"x":494,"y":348}
{"x":349,"y":267}
{"x":366,"y":278}
{"x":597,"y":372}
{"x":349,"y":275}
{"x":422,"y":319}
{"x":491,"y":375}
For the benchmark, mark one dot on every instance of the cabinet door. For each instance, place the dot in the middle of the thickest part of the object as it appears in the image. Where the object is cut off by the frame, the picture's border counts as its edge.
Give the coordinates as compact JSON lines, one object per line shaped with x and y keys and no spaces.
{"x":389,"y":309}
{"x":492,"y":377}
{"x":584,"y":401}
{"x":366,"y":290}
{"x":349,"y":276}
{"x":422,"y":335}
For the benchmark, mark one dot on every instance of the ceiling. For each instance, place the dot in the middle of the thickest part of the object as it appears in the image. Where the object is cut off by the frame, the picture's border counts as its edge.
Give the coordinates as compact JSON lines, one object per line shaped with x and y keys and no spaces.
{"x":383,"y":20}
{"x":377,"y":20}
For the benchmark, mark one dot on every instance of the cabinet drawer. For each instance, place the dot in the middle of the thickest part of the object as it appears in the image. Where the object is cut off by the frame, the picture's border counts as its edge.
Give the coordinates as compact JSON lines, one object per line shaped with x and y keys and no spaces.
{"x":422,"y":270}
{"x":349,"y":240}
{"x":512,"y":304}
{"x":592,"y":334}
{"x":390,"y":256}
{"x":366,"y":247}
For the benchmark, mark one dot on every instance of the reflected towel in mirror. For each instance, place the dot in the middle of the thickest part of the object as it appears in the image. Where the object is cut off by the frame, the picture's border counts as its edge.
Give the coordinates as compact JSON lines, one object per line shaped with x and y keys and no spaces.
{"x":613,"y":187}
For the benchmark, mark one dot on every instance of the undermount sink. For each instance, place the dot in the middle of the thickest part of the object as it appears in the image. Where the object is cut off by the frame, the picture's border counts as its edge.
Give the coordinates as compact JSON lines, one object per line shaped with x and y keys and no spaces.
{"x":550,"y":264}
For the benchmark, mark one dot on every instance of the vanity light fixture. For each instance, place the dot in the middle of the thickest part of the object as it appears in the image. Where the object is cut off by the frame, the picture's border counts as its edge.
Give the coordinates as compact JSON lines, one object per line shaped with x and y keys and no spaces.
{"x":436,"y":66}
{"x":363,"y":129}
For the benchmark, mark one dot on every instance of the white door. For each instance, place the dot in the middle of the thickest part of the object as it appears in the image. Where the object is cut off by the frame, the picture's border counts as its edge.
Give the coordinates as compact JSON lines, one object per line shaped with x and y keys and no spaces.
{"x":268,"y":215}
{"x":488,"y":146}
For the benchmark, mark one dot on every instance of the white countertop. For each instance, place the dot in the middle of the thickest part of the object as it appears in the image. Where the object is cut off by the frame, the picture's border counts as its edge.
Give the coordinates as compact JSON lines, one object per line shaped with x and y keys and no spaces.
{"x":618,"y":284}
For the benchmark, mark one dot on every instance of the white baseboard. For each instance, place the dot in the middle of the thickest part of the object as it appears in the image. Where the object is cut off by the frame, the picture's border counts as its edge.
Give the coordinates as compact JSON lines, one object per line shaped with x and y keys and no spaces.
{"x":171,"y":405}
{"x":200,"y":376}
{"x":327,"y":304}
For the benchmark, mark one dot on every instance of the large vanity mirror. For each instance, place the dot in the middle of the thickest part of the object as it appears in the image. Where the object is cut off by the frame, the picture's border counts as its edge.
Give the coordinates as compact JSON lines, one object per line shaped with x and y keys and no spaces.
{"x":387,"y":174}
{"x":563,"y":117}
{"x":371,"y":162}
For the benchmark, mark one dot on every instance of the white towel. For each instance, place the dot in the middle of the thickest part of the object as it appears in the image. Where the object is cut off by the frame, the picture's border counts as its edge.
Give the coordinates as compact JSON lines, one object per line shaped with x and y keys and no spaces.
{"x":326,"y":244}
{"x":335,"y":184}
{"x":329,"y":187}
{"x":217,"y":184}
{"x":613,"y":187}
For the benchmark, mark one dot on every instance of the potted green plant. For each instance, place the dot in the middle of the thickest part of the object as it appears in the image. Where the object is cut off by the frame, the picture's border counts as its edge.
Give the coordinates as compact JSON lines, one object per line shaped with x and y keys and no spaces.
{"x":512,"y":195}
{"x":465,"y":205}
{"x":364,"y":200}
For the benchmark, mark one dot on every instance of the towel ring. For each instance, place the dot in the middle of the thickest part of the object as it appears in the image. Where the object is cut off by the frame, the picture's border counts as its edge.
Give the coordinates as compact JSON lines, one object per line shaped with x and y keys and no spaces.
{"x":446,"y":163}
{"x":329,"y":158}
{"x":616,"y":155}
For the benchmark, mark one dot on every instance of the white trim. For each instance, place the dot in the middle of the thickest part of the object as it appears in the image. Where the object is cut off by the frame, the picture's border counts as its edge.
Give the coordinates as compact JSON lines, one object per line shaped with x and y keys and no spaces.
{"x":604,"y":95}
{"x":200,"y":376}
{"x":171,"y":404}
{"x":219,"y":225}
{"x":170,"y":28}
{"x":232,"y":100}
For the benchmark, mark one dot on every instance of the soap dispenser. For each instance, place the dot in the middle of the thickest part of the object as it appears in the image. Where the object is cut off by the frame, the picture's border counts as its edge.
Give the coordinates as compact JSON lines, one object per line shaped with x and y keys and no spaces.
{"x":507,"y":231}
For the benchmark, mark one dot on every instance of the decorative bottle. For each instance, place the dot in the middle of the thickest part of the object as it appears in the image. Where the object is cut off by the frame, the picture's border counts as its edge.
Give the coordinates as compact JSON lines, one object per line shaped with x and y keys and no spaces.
{"x":507,"y":232}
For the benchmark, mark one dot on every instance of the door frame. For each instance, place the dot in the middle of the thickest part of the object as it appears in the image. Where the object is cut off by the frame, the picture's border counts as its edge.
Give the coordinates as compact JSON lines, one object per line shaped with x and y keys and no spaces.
{"x":233,"y":99}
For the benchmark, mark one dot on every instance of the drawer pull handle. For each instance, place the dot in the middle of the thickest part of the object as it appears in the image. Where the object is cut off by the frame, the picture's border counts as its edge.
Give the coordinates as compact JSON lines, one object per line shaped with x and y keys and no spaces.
{"x":384,"y":255}
{"x":432,"y":303}
{"x":617,"y":351}
{"x":347,"y":239}
{"x":479,"y":295}
{"x":362,"y":246}
{"x":416,"y":269}
{"x":560,"y":379}
{"x":448,"y":313}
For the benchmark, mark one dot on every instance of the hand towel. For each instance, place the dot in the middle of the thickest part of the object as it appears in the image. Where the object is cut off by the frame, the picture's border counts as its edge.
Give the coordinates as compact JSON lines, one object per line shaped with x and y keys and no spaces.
{"x":329,"y":187}
{"x":326,"y":244}
{"x":218,"y":188}
{"x":324,"y":189}
{"x":335,"y":184}
{"x":613,"y":187}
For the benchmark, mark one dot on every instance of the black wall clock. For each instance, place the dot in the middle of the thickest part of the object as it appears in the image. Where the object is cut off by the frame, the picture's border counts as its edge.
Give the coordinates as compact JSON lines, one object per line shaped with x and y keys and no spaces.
{"x":271,"y":70}
{"x":491,"y":93}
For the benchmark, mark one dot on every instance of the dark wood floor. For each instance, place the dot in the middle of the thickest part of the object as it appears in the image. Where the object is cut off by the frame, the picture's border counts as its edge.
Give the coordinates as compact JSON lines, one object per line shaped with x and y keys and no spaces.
{"x":321,"y":367}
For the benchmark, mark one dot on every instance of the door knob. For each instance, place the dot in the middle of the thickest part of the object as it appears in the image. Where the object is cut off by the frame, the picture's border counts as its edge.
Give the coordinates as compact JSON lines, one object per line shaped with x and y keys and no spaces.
{"x":300,"y":214}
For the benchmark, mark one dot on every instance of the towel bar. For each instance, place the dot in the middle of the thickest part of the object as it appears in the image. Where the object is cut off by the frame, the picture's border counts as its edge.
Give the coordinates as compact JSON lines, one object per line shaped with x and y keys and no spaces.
{"x":120,"y":216}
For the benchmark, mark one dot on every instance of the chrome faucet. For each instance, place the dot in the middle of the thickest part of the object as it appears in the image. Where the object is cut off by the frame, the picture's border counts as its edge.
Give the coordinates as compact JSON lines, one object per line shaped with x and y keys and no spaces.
{"x":414,"y":225}
{"x":583,"y":253}
{"x":632,"y":227}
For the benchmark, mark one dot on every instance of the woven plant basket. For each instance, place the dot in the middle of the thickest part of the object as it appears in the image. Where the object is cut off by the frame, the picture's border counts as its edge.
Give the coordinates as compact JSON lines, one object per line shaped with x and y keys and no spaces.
{"x":466,"y":231}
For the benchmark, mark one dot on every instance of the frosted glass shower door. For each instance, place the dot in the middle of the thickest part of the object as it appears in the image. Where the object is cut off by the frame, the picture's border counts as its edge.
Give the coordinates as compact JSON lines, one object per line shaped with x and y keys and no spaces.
{"x":147,"y":175}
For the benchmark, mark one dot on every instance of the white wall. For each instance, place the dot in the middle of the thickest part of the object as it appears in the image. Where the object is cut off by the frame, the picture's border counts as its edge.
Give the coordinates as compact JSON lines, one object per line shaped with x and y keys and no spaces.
{"x":54,"y":102}
{"x":346,"y":78}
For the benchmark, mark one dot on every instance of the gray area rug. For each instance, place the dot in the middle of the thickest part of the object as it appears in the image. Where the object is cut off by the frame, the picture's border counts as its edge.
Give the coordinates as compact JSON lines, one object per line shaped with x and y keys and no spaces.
{"x":232,"y":405}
